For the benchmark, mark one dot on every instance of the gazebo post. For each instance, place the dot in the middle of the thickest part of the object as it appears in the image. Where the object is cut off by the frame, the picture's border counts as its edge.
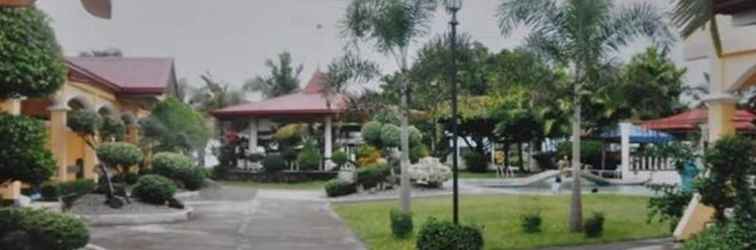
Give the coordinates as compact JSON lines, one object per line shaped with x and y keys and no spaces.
{"x":253,"y":127}
{"x":328,"y":142}
{"x":625,"y":142}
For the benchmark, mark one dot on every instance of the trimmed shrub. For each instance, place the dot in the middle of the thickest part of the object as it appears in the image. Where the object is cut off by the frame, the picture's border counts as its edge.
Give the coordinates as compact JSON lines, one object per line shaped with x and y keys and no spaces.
{"x":340,"y":158}
{"x":531,"y":222}
{"x":113,"y":128}
{"x":475,"y":162}
{"x":192,"y":178}
{"x":371,"y":133}
{"x":373,"y":175}
{"x":594,"y":226}
{"x":444,"y":235}
{"x":391,"y":136}
{"x":49,"y":191}
{"x":336,"y":188}
{"x":309,"y":158}
{"x":180,"y":168}
{"x":418,"y":152}
{"x":718,"y":237}
{"x":367,"y":155}
{"x":119,"y":154}
{"x":401,"y":224}
{"x":154,"y":189}
{"x":41,"y":229}
{"x":52,"y":191}
{"x":274,"y":163}
{"x":415,"y":136}
{"x":23,"y":153}
{"x":84,"y":121}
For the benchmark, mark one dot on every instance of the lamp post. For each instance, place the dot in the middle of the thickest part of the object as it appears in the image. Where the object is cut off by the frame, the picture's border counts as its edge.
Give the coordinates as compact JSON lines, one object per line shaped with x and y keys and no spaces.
{"x":453,"y":6}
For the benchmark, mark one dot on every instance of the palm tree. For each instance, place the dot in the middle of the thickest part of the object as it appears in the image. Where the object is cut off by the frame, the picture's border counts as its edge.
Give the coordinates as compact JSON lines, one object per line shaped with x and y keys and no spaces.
{"x":693,"y":15}
{"x":345,"y":69}
{"x":580,"y":35}
{"x":283,"y":78}
{"x":390,"y":27}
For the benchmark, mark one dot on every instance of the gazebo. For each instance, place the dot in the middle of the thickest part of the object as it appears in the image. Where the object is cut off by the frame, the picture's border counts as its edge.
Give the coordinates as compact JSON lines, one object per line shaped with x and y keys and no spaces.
{"x":308,"y":104}
{"x":691,"y":121}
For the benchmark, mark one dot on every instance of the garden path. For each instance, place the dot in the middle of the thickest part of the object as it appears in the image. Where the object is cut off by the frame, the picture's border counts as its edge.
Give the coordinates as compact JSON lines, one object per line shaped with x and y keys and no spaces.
{"x":238,"y":218}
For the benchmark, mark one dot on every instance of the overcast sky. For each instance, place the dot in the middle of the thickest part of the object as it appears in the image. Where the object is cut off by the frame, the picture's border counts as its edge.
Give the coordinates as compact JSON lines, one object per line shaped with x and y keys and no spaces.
{"x":232,"y":38}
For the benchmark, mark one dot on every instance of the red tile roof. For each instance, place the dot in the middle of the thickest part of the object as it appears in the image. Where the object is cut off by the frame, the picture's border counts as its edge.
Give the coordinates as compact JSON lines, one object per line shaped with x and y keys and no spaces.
{"x":309,"y":101}
{"x":689,"y":121}
{"x":130,"y":74}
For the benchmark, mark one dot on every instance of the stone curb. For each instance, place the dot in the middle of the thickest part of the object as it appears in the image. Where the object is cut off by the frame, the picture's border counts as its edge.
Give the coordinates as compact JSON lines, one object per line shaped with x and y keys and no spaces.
{"x":138,"y":219}
{"x":93,"y":247}
{"x":187,"y":195}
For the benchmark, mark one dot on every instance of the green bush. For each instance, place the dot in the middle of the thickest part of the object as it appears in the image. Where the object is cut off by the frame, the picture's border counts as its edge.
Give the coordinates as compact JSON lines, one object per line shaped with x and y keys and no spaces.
{"x":31,"y":61}
{"x":391,"y":136}
{"x":531,"y":222}
{"x":274,"y":163}
{"x":84,"y":121}
{"x":41,"y":229}
{"x":401,"y":224}
{"x":192,"y":178}
{"x":717,"y":237}
{"x":154,"y":189}
{"x":418,"y":152}
{"x":475,"y":162}
{"x":668,"y":204}
{"x":23,"y":153}
{"x":340,"y":158}
{"x":119,"y":154}
{"x":415,"y":136}
{"x":371,"y":133}
{"x":594,"y":226}
{"x":113,"y":128}
{"x":49,"y":191}
{"x":52,"y":191}
{"x":373,"y":175}
{"x":336,"y":188}
{"x":444,"y":235}
{"x":309,"y":158}
{"x":180,"y":168}
{"x":590,"y":152}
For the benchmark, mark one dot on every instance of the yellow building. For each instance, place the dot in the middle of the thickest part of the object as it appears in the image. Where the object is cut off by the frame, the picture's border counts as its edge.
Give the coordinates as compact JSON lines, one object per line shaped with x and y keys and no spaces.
{"x":126,"y":88}
{"x":731,"y":73}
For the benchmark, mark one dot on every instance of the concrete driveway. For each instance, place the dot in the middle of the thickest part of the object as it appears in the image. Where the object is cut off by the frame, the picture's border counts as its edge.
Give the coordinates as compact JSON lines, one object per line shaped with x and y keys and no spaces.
{"x":235,"y":218}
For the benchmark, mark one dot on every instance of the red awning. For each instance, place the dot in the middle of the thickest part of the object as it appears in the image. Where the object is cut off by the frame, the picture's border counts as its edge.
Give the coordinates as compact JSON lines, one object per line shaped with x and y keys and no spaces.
{"x":690,"y":121}
{"x":309,"y":101}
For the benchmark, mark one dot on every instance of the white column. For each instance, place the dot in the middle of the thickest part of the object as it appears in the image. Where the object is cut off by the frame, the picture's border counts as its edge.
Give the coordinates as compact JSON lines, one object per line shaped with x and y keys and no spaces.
{"x":625,"y":141}
{"x":253,"y":127}
{"x":328,"y":137}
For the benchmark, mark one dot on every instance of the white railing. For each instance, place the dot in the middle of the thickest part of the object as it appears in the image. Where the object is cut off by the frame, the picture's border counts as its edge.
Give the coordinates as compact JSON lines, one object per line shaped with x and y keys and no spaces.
{"x":649,"y":163}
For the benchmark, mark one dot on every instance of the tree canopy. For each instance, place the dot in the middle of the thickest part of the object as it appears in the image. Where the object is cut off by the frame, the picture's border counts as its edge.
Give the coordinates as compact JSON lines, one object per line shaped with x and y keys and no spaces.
{"x":175,"y":126}
{"x":283,"y":77}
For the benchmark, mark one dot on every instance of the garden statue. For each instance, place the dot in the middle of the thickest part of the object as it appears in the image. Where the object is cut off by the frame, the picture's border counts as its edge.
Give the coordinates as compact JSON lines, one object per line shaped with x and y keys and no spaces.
{"x":429,"y":171}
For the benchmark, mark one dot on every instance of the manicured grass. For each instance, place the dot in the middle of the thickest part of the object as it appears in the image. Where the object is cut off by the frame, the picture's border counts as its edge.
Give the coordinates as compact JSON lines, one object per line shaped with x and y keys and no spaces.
{"x":310,"y":185}
{"x":500,"y":217}
{"x":471,"y":175}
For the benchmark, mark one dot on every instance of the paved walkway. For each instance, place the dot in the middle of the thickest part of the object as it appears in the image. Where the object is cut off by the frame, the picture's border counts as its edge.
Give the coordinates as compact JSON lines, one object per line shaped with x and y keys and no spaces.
{"x":233,"y":218}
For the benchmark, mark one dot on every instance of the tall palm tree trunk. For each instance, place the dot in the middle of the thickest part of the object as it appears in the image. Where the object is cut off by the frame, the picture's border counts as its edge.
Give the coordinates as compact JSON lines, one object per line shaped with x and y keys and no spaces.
{"x":576,"y":206}
{"x":404,"y":162}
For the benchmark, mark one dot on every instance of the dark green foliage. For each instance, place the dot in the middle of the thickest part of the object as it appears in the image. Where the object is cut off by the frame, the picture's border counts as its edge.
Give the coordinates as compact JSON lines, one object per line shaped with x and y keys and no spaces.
{"x":283,"y":78}
{"x":41,"y":230}
{"x":309,"y":158}
{"x":84,"y":122}
{"x":651,"y":85}
{"x":372,"y":176}
{"x":418,"y":152}
{"x":31,"y":61}
{"x":444,"y":235}
{"x":390,"y":136}
{"x":668,"y":205}
{"x":174,"y":125}
{"x":23,"y":153}
{"x":274,"y":163}
{"x":718,"y":237}
{"x":49,"y":191}
{"x":475,"y":162}
{"x":119,"y":154}
{"x":340,"y":158}
{"x":52,"y":191}
{"x":401,"y":224}
{"x":336,"y":188}
{"x":371,"y":133}
{"x":590,"y":152}
{"x":154,"y":189}
{"x":531,"y":222}
{"x":180,"y":168}
{"x":113,"y":129}
{"x":594,"y":225}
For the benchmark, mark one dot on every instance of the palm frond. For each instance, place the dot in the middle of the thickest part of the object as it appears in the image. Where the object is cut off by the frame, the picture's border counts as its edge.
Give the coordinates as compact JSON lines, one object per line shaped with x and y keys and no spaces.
{"x":533,"y":13}
{"x":631,"y":22}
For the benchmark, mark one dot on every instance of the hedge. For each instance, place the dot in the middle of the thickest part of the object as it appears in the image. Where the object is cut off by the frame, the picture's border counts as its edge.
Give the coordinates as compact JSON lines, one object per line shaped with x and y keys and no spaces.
{"x":154,"y":189}
{"x":41,"y":230}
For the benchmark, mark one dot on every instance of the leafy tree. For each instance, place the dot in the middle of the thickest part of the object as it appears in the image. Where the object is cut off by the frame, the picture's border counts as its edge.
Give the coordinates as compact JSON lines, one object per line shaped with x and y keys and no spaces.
{"x":23,"y":155}
{"x":283,"y":78}
{"x":175,"y":126}
{"x":580,"y":35}
{"x":31,"y":61}
{"x":693,"y":15}
{"x":390,"y":27}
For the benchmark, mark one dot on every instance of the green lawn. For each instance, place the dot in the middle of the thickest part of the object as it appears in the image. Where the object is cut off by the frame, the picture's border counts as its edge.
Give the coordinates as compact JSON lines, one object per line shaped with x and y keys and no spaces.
{"x":499,"y":215}
{"x":471,"y":175}
{"x":310,"y":185}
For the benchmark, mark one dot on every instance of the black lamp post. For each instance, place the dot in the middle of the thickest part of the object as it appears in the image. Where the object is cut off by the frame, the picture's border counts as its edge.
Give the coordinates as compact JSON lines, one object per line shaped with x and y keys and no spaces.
{"x":453,"y":6}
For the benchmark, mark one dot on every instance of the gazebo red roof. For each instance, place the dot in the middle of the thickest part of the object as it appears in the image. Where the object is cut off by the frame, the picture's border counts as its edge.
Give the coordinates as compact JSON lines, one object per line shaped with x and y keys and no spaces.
{"x":689,"y":121}
{"x":309,"y":101}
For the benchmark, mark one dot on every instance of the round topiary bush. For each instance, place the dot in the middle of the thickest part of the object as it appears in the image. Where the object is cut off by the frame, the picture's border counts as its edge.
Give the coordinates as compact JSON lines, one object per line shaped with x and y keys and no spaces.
{"x":170,"y":164}
{"x":371,"y":133}
{"x":391,"y":136}
{"x":274,"y":163}
{"x":154,"y":189}
{"x":41,"y":229}
{"x":336,"y":188}
{"x":309,"y":158}
{"x":415,"y":136}
{"x":444,"y":235}
{"x":340,"y":158}
{"x":113,"y":129}
{"x":119,"y":154}
{"x":31,"y":61}
{"x":84,"y":122}
{"x":23,"y":153}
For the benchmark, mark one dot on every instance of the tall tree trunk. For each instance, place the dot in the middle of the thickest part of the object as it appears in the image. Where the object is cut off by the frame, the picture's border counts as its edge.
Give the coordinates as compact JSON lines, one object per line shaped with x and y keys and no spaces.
{"x":404,"y":162}
{"x":576,"y":206}
{"x":520,"y":161}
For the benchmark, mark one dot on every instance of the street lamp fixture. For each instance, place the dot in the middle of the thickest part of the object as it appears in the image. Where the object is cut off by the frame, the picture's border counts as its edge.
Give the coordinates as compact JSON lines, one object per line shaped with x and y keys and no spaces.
{"x":453,"y":6}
